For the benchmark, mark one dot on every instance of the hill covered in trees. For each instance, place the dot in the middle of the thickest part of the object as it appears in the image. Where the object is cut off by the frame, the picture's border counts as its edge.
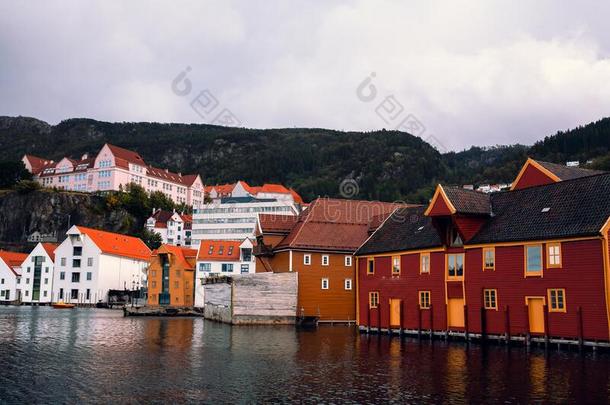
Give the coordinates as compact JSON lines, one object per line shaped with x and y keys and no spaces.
{"x":387,"y":165}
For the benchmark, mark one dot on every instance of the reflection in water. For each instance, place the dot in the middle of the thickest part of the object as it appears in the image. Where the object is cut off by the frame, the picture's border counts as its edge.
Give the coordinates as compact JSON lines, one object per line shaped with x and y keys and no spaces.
{"x":98,"y":356}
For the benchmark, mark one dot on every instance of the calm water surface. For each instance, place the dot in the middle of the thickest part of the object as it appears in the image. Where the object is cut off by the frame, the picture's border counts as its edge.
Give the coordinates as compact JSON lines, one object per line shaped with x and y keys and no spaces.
{"x":90,"y":355}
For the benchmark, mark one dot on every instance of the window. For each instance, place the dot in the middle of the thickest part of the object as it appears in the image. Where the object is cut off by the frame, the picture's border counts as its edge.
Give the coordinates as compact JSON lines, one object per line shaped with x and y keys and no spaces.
{"x":178,"y":273}
{"x":28,"y":269}
{"x":325,"y":260}
{"x":424,"y":299}
{"x":46,"y":281}
{"x":489,"y":259}
{"x":90,"y":261}
{"x":27,"y":281}
{"x":63,"y":261}
{"x":176,"y":284}
{"x":395,"y":265}
{"x":373,"y":299}
{"x":62,"y":275}
{"x":370,"y":266}
{"x":553,"y":252}
{"x":307,"y":260}
{"x":46,"y":269}
{"x":153,"y":284}
{"x":348,"y":261}
{"x":89,"y":276}
{"x":1,"y":281}
{"x":88,"y":294}
{"x":27,"y":293}
{"x":245,"y":268}
{"x":75,"y":262}
{"x":153,"y":273}
{"x":227,"y":267}
{"x":75,"y":277}
{"x":18,"y":280}
{"x":557,"y":300}
{"x":77,"y":251}
{"x":490,"y":300}
{"x":205,"y":266}
{"x":533,"y":260}
{"x":348,"y":283}
{"x":455,"y":266}
{"x":424,"y":265}
{"x":325,"y":284}
{"x":61,"y":293}
{"x":44,"y":293}
{"x":74,"y":294}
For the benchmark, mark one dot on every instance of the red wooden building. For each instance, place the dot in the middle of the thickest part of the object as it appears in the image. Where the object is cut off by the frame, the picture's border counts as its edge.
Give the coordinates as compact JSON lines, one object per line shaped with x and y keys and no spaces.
{"x":527,"y":263}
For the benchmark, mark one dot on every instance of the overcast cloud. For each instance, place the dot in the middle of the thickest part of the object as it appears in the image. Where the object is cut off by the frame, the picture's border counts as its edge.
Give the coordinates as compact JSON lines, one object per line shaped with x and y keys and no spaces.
{"x":479,"y":73}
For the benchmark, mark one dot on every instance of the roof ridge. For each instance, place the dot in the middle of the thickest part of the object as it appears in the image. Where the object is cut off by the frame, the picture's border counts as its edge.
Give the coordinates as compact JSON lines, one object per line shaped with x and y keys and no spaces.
{"x":557,"y":183}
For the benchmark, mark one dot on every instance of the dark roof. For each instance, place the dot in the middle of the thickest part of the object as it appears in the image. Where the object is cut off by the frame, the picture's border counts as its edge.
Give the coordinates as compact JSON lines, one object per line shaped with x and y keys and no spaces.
{"x":468,"y":201}
{"x":566,"y":172}
{"x":274,"y":223}
{"x":577,"y":207}
{"x":406,"y":229}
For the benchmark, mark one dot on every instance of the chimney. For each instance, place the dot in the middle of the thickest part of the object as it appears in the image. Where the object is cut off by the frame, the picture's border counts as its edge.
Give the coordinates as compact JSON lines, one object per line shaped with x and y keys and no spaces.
{"x":179,"y":174}
{"x":166,"y":170}
{"x":85,"y":156}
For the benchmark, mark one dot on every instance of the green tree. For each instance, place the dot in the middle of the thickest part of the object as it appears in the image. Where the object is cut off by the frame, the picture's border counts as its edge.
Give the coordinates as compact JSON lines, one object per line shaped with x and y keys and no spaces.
{"x":159,"y":200}
{"x":12,"y":172}
{"x":152,"y":239}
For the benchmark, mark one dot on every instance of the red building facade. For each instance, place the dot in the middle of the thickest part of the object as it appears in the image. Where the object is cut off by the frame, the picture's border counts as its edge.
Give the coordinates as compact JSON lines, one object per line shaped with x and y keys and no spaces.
{"x":531,"y":262}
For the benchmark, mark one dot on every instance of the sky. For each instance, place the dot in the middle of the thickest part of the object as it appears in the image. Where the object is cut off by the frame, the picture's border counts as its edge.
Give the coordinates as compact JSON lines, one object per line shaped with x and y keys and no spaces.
{"x":456,"y":73}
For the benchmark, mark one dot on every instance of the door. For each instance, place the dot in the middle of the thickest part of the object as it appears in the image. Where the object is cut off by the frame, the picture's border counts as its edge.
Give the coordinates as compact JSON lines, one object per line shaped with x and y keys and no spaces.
{"x":395,"y":312}
{"x":455,"y":312}
{"x":535,"y":310}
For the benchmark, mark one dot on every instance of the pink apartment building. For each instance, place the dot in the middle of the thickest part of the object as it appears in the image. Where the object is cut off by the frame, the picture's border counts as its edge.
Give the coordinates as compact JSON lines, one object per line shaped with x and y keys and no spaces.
{"x":112,"y":168}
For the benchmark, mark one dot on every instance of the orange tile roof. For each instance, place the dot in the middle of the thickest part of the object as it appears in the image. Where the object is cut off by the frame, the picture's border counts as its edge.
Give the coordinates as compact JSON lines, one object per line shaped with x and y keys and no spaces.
{"x":228,"y":246}
{"x":12,"y":259}
{"x":185,"y":257}
{"x":37,"y":163}
{"x":117,"y":244}
{"x":50,"y":249}
{"x":277,"y":223}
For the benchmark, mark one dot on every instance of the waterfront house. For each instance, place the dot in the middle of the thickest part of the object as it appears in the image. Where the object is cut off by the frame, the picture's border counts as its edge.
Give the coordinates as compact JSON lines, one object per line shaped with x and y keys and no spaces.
{"x":37,"y":274}
{"x":171,"y":276}
{"x":531,"y":262}
{"x":90,"y":262}
{"x":112,"y":169}
{"x":233,"y":210}
{"x":319,"y":246}
{"x":222,"y":258}
{"x":174,"y":228}
{"x":10,"y":275}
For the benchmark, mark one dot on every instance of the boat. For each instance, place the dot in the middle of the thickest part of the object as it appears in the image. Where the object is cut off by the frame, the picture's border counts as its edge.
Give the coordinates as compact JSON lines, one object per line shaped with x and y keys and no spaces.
{"x":62,"y":305}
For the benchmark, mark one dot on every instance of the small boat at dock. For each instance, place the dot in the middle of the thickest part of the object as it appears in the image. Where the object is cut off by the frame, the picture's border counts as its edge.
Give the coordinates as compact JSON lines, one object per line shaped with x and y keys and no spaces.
{"x":62,"y":305}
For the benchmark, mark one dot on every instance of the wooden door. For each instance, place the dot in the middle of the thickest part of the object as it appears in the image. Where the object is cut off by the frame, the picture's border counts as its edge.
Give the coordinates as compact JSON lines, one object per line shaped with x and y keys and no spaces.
{"x":395,"y":312}
{"x":455,"y":312}
{"x":535,"y":310}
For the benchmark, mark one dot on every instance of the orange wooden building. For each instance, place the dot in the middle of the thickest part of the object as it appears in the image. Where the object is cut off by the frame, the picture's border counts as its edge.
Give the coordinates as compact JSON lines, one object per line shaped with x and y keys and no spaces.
{"x":318,"y":245}
{"x":171,"y":277}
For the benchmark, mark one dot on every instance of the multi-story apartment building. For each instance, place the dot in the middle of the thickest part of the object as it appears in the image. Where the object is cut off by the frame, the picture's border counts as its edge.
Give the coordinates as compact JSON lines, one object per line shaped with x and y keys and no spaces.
{"x":174,"y":228}
{"x":10,"y":275}
{"x":114,"y":168}
{"x":90,"y":262}
{"x":37,"y":274}
{"x":234,"y":209}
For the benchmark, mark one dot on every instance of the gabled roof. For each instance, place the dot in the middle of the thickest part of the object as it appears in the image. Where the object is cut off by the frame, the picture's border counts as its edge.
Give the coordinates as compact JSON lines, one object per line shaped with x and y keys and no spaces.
{"x":219,"y":250}
{"x":37,"y":163}
{"x":570,"y":208}
{"x":273,"y":223}
{"x":189,"y":179}
{"x":551,"y":172}
{"x":184,"y":257}
{"x":335,"y":224}
{"x":117,"y":244}
{"x":406,"y":229}
{"x":12,"y":259}
{"x":126,"y":155}
{"x":457,"y":200}
{"x":50,"y":249}
{"x":272,"y":188}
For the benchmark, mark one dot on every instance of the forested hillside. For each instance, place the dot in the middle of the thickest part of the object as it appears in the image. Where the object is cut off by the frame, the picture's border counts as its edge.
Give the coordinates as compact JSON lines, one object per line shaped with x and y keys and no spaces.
{"x":387,"y":165}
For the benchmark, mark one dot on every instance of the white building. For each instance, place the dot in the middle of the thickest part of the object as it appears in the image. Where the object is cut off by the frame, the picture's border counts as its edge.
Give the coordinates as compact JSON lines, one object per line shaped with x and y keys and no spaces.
{"x":174,"y":228}
{"x":234,"y":209}
{"x":10,"y":275}
{"x":37,"y":274}
{"x":222,"y":257}
{"x":90,"y":262}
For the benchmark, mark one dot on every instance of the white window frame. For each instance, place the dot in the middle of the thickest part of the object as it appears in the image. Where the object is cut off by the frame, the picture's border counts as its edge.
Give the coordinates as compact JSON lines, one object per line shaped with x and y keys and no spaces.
{"x":325,"y":284}
{"x":327,"y":257}
{"x":307,"y":260}
{"x":348,"y":283}
{"x":348,"y":261}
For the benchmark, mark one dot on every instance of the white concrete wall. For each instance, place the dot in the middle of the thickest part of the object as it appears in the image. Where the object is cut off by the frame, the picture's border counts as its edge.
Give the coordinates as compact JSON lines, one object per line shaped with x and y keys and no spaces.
{"x":8,"y":282}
